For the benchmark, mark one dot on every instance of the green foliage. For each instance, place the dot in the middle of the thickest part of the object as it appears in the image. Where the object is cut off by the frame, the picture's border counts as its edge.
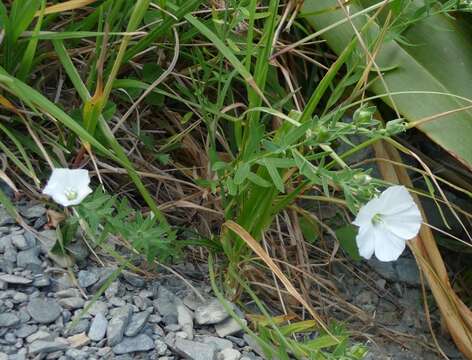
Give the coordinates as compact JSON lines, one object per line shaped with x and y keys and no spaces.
{"x":104,"y":215}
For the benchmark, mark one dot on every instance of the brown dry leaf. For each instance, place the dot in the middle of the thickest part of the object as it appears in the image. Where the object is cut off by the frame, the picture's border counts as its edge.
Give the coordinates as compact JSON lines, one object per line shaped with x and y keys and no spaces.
{"x":456,"y":315}
{"x":55,"y":218}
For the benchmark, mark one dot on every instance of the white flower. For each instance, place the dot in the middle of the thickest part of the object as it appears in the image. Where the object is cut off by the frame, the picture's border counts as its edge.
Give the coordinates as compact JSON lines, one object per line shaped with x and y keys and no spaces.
{"x":386,"y":223}
{"x":68,"y":187}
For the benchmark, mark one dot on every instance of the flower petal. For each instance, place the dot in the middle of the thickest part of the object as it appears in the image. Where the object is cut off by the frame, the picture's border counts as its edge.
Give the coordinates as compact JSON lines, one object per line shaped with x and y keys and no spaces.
{"x":56,"y":181}
{"x":388,"y":246}
{"x":395,"y":199}
{"x":82,"y":193}
{"x":365,"y":241}
{"x":366,"y":212}
{"x":406,"y":224}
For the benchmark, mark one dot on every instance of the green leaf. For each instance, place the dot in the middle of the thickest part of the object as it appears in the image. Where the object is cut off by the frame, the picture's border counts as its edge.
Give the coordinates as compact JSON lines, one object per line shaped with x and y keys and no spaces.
{"x":242,"y":173}
{"x":428,"y":68}
{"x":347,"y":238}
{"x":256,"y":179}
{"x":275,"y":176}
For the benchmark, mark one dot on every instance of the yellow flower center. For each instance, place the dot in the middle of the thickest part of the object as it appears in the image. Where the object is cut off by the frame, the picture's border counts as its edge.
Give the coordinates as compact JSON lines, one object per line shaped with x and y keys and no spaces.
{"x":377,"y":219}
{"x":71,"y":194}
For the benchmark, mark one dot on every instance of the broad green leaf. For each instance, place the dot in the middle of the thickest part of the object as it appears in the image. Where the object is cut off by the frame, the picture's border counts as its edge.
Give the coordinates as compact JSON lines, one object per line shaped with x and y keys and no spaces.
{"x":347,"y":239}
{"x":426,"y":77}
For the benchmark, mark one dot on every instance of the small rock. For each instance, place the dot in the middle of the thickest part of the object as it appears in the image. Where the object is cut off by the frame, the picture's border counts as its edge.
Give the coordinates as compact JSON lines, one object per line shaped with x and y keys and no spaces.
{"x":211,"y":312}
{"x":47,"y":240}
{"x":41,"y":281}
{"x":15,"y":279}
{"x":229,"y":354}
{"x":229,"y":327}
{"x":20,"y":297}
{"x":181,"y":334}
{"x":87,"y":278}
{"x":79,"y":250}
{"x":133,"y":279}
{"x":26,"y":330}
{"x":173,"y":328}
{"x":44,"y":311}
{"x":76,"y":328}
{"x":72,"y":303}
{"x":192,"y":301}
{"x":78,"y":340}
{"x":403,"y":270}
{"x":28,"y":257}
{"x":98,"y":328}
{"x":117,"y":302}
{"x":117,"y":324}
{"x":194,"y":350}
{"x":20,"y":242}
{"x":95,"y":307}
{"x":68,"y":293}
{"x":104,"y":352}
{"x":8,"y":319}
{"x":161,"y":347}
{"x":76,"y":354}
{"x":112,"y":290}
{"x":3,"y":356}
{"x":185,"y":320}
{"x":136,"y":323}
{"x":39,"y":335}
{"x":41,"y":346}
{"x":34,"y":212}
{"x":218,"y":343}
{"x":166,"y":305}
{"x":141,"y":342}
{"x":63,"y":281}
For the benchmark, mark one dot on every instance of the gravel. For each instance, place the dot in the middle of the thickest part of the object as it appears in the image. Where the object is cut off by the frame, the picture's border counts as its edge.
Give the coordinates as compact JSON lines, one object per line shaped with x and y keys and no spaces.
{"x":44,"y":311}
{"x":98,"y":328}
{"x":117,"y":325}
{"x":140,"y":342}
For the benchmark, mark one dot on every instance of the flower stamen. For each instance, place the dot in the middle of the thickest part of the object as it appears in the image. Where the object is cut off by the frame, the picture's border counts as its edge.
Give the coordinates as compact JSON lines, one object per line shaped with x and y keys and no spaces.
{"x":71,"y":194}
{"x":377,"y":219}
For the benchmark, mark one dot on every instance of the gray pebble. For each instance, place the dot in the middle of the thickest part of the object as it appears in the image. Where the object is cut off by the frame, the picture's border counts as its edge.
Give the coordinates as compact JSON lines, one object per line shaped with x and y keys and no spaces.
{"x":81,"y":326}
{"x":141,"y":342}
{"x":15,"y":279}
{"x":72,"y":303}
{"x":117,"y":325}
{"x":137,"y":323}
{"x":229,"y":354}
{"x":194,"y":350}
{"x":26,"y":330}
{"x":133,"y":279}
{"x":29,"y":257}
{"x":161,"y":347}
{"x":44,"y":311}
{"x":34,"y":211}
{"x":8,"y":319}
{"x":41,"y":346}
{"x":39,"y":335}
{"x":68,"y":293}
{"x":212,"y":312}
{"x":98,"y":328}
{"x":20,"y":242}
{"x":87,"y":278}
{"x":219,"y":343}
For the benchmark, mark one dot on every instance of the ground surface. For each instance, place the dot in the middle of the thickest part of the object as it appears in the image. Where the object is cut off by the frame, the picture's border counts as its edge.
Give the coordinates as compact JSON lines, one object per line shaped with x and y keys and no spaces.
{"x":160,"y":316}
